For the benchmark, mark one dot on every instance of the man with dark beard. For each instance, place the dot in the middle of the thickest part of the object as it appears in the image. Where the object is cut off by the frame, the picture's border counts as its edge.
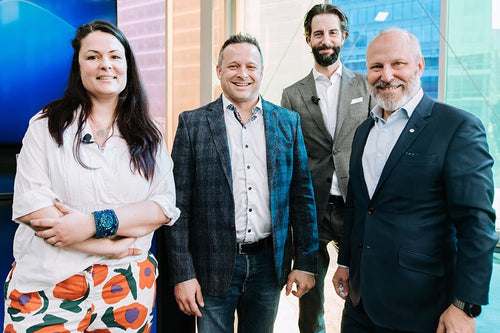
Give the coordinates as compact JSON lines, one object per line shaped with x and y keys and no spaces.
{"x":331,"y":101}
{"x":419,"y":227}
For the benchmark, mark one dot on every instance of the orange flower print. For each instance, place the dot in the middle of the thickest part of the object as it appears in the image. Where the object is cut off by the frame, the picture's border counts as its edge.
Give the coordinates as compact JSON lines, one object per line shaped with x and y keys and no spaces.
{"x":131,"y":316}
{"x":85,"y":323}
{"x":147,"y":274}
{"x":72,"y":288}
{"x":99,"y":331}
{"x":99,"y":274}
{"x":59,"y":328}
{"x":115,"y":289}
{"x":25,"y":303}
{"x":9,"y":329}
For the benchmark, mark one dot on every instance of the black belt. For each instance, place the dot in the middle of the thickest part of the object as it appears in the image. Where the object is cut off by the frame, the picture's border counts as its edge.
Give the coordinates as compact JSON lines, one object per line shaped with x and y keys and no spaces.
{"x":249,"y":248}
{"x":335,"y":199}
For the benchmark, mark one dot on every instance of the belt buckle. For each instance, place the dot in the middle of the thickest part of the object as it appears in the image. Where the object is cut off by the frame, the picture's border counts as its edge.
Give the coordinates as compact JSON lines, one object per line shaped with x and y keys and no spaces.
{"x":240,"y":248}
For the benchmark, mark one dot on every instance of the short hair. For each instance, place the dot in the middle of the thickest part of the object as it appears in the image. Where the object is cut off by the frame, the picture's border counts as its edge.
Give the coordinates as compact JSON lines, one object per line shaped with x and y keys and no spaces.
{"x":326,"y":9}
{"x":239,"y":39}
{"x":411,"y":38}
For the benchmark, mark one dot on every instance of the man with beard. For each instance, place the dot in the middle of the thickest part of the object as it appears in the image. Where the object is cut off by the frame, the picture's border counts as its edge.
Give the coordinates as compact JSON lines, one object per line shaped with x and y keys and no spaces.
{"x":419,"y":230}
{"x":331,"y":101}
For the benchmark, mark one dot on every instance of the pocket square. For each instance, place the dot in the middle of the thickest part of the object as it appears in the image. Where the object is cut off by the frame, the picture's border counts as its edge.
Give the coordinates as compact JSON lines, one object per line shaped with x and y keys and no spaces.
{"x":357,"y":100}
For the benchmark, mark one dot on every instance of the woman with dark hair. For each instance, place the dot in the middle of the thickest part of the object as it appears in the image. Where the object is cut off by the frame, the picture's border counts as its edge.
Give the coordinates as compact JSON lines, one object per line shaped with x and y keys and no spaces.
{"x":93,"y":183}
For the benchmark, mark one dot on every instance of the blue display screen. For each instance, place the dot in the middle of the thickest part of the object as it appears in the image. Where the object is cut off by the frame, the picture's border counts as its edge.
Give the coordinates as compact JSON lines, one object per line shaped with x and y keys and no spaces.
{"x":36,"y":52}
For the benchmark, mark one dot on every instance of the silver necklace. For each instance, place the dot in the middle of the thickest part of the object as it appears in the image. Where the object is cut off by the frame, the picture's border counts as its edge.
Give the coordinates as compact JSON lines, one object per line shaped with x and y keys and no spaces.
{"x":101,"y":133}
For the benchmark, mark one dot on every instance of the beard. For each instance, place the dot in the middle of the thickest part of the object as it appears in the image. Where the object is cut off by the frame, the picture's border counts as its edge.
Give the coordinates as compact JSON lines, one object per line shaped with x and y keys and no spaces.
{"x":326,"y":59}
{"x":390,"y":101}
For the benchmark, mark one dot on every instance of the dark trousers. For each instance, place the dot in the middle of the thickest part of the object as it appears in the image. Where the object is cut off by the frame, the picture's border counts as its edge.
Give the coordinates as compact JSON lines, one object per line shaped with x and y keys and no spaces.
{"x":311,"y":305}
{"x":355,"y":320}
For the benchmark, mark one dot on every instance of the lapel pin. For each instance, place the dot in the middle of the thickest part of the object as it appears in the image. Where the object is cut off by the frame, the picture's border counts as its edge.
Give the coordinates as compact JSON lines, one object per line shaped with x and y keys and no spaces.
{"x":412,"y":130}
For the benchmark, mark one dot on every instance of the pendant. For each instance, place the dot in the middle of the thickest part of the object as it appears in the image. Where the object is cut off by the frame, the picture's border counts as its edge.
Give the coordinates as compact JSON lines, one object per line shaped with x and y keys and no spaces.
{"x":101,"y":134}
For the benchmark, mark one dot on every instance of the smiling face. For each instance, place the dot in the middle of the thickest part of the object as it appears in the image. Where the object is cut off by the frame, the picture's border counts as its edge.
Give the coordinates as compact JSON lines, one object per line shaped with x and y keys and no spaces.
{"x":394,"y":68}
{"x":103,"y":65}
{"x":326,"y":39}
{"x":240,"y":74}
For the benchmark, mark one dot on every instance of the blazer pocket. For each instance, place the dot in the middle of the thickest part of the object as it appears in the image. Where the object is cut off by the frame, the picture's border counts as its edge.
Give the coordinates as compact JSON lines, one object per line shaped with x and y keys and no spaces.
{"x":420,"y":262}
{"x":414,"y":158}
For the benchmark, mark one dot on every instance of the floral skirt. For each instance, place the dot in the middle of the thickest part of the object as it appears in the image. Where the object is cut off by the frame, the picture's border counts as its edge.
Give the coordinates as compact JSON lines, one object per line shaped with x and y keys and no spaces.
{"x":100,"y":299}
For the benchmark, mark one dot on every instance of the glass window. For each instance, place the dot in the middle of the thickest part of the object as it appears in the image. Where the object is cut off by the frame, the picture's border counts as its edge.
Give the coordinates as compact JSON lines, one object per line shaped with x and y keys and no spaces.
{"x":472,"y":60}
{"x":412,"y":16}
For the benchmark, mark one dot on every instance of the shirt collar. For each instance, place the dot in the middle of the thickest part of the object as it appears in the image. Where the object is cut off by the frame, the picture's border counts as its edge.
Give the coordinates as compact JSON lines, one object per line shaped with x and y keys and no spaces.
{"x":317,"y":75}
{"x":226,"y":102}
{"x":409,"y":107}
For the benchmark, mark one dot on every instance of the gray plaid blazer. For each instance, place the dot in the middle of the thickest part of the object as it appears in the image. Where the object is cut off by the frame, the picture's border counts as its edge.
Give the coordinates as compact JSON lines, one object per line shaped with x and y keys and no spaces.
{"x":202,"y":243}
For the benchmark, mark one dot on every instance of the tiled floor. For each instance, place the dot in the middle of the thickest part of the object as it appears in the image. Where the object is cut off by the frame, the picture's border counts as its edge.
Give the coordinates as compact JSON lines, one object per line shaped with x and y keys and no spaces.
{"x":286,"y":322}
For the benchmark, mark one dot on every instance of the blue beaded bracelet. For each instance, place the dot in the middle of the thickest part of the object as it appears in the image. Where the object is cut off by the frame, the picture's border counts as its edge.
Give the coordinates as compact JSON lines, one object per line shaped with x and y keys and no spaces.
{"x":106,"y":223}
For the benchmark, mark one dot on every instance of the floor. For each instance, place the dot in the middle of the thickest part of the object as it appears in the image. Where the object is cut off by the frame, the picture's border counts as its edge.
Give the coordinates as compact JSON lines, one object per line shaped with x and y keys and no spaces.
{"x":286,"y":320}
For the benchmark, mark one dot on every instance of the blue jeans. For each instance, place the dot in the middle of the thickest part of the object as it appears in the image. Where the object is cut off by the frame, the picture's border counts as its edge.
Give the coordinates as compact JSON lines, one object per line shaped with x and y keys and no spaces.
{"x":254,"y":293}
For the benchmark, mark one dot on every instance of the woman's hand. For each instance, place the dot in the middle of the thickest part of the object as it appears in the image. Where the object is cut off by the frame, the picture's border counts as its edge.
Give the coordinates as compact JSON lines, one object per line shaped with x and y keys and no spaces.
{"x":71,"y":228}
{"x":117,"y":248}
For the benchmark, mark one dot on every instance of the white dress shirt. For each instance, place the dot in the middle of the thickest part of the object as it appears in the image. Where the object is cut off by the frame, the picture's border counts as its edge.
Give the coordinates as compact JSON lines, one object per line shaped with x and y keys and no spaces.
{"x":247,"y":150}
{"x":328,"y":90}
{"x":46,"y":172}
{"x":382,"y":139}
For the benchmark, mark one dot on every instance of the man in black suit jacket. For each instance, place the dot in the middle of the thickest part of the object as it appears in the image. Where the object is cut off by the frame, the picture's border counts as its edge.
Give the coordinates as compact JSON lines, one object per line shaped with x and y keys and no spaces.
{"x":419,"y":231}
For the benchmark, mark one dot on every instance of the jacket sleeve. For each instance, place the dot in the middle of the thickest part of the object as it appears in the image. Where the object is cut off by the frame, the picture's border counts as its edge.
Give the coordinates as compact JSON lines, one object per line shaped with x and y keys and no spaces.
{"x":177,"y":237}
{"x":469,"y":193}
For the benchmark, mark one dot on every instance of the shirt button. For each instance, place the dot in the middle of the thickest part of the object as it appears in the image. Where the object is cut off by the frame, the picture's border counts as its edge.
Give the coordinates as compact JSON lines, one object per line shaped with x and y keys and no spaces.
{"x":250,"y":210}
{"x":371,"y":211}
{"x":250,"y":188}
{"x":249,"y":230}
{"x":246,"y":146}
{"x":248,"y":166}
{"x":335,"y":152}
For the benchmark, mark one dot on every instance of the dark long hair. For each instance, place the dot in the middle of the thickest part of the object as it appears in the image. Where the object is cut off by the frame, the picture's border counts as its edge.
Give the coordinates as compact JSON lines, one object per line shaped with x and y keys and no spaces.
{"x":132,"y":110}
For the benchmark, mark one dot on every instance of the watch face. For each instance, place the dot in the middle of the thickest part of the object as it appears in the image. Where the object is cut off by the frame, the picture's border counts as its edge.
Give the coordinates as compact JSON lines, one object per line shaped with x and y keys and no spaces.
{"x":474,"y":310}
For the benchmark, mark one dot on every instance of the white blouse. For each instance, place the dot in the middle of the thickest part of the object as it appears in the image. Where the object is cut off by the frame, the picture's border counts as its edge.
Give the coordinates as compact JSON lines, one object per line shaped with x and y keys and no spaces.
{"x":46,"y":172}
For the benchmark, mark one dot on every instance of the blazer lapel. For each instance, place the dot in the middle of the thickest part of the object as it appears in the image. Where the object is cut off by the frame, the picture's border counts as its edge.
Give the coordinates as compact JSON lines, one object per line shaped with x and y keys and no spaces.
{"x":357,"y":151}
{"x":411,"y":131}
{"x":270,"y":125}
{"x":217,"y":124}
{"x":308,"y":89}
{"x":347,"y":87}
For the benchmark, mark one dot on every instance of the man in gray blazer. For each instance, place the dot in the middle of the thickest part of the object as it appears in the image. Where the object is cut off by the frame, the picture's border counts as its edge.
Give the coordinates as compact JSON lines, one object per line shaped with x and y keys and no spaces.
{"x":244,"y":190}
{"x":331,"y":101}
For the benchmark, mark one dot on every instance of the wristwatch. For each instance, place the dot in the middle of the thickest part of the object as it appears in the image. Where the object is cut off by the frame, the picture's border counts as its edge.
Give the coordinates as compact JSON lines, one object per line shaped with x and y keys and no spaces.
{"x":472,"y":310}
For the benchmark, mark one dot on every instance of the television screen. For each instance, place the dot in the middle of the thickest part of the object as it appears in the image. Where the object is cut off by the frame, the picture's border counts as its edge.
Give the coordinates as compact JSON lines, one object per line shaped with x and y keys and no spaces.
{"x":35,"y":39}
